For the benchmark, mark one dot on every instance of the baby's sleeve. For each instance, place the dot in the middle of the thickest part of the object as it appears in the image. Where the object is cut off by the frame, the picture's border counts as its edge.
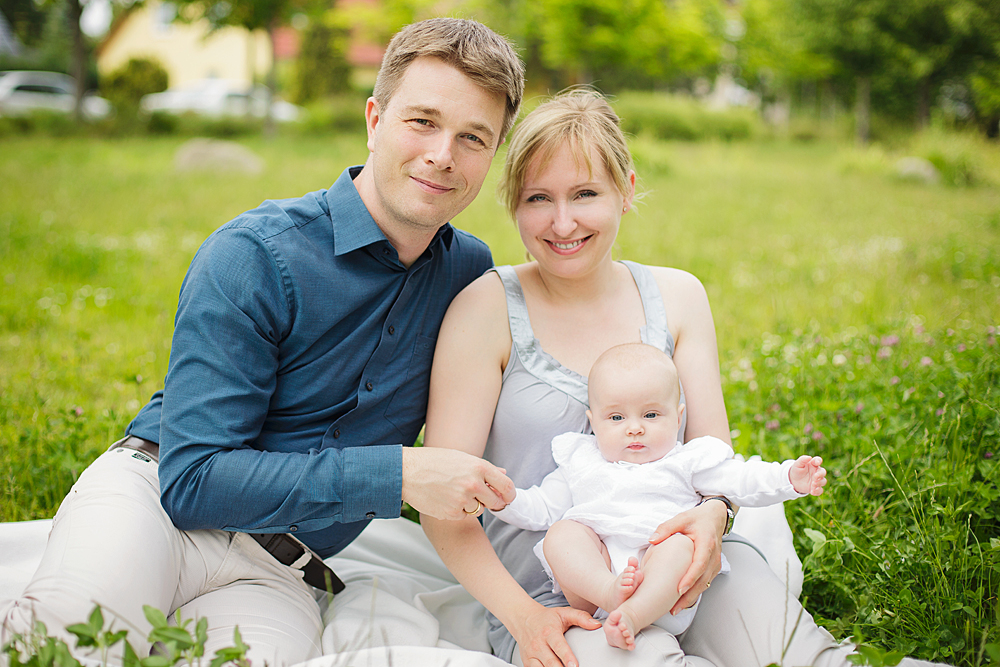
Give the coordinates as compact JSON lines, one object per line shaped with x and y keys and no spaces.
{"x":540,"y":506}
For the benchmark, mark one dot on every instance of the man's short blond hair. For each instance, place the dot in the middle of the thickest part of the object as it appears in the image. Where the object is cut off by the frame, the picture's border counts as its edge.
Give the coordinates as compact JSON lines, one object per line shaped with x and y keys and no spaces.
{"x":635,"y":356}
{"x":470,"y":47}
{"x":579,"y":117}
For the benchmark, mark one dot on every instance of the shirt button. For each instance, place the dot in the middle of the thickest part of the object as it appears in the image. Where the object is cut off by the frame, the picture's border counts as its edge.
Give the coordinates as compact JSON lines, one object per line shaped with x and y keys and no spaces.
{"x":385,"y":251}
{"x":392,"y":329}
{"x":293,"y":529}
{"x":336,"y":433}
{"x":370,"y":515}
{"x":369,"y":386}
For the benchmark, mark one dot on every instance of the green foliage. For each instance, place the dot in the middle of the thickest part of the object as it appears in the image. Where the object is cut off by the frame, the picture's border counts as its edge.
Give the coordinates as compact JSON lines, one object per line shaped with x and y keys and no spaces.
{"x":322,"y":69}
{"x":675,"y":117}
{"x":176,"y":644}
{"x":339,"y":114}
{"x":905,"y":545}
{"x":126,"y":85}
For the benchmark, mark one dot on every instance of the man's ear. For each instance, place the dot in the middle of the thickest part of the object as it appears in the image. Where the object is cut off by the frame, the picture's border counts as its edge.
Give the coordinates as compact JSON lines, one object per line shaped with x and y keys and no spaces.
{"x":372,"y":116}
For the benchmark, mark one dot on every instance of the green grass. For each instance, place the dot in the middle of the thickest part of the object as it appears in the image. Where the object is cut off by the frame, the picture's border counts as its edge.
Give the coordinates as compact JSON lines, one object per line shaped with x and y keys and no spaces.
{"x":857,"y":317}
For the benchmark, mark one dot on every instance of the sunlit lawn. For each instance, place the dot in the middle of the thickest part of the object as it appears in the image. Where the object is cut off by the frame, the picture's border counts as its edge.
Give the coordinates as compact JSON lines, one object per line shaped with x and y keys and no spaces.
{"x":856,"y":315}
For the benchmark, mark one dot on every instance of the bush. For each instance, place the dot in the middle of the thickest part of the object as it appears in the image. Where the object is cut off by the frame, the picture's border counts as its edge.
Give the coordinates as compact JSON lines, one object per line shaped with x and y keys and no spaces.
{"x":126,"y":85}
{"x":675,"y":117}
{"x":340,"y":114}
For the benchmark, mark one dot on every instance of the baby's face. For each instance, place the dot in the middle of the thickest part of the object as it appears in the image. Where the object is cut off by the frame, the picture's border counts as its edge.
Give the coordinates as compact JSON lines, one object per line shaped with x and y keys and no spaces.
{"x":634,"y":416}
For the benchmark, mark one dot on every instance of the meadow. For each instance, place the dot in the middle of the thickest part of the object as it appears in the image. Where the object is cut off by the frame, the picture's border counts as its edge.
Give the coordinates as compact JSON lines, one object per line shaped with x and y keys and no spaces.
{"x":857,"y":315}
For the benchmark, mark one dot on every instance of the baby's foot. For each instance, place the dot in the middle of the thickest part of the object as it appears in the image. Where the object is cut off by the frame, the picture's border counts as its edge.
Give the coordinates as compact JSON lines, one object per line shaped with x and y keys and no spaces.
{"x":626,"y":583}
{"x":619,"y":631}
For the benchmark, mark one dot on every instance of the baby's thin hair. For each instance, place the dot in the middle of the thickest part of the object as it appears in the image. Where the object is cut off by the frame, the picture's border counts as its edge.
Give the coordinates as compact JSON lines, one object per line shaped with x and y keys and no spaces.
{"x":632,"y":356}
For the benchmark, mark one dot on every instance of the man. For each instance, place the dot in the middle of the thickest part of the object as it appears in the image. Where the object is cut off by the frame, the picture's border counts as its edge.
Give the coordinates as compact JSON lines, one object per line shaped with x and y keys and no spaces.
{"x":299,"y":369}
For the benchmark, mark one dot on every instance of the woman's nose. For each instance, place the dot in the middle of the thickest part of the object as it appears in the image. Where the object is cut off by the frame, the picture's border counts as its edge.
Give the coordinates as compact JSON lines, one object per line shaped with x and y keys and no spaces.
{"x":563,"y":224}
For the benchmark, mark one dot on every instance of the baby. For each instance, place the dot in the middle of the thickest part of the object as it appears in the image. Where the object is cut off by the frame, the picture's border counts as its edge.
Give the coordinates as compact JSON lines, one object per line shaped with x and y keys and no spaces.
{"x":612,"y":489}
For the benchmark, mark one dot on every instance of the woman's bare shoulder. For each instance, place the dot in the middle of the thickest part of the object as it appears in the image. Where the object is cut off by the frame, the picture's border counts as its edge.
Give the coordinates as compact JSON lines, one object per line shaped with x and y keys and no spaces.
{"x":678,"y":283}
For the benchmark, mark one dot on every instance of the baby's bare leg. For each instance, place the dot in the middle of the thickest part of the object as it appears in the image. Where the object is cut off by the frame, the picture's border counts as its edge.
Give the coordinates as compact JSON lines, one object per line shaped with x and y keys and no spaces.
{"x":663,"y":566}
{"x":582,"y":566}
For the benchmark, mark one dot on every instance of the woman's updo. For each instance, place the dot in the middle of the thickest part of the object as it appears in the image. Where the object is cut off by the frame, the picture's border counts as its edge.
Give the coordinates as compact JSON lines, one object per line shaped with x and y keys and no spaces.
{"x":580,"y":117}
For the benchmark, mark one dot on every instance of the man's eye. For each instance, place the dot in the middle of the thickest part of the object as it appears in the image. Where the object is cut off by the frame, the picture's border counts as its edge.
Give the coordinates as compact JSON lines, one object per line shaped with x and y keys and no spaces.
{"x":474,"y":139}
{"x":420,"y":121}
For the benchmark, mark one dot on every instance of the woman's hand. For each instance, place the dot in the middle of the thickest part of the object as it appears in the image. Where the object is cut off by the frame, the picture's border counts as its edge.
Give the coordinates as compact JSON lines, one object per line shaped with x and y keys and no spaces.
{"x":540,"y":639}
{"x":705,"y":525}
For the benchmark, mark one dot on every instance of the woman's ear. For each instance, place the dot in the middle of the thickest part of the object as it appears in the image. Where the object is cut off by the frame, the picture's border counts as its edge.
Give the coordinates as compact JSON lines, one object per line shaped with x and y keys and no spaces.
{"x":630,"y":195}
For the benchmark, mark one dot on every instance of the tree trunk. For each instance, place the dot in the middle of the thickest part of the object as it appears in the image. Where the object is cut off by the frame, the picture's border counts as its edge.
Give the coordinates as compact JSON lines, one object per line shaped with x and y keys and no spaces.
{"x":862,"y":109}
{"x":924,"y":104}
{"x":79,"y":57}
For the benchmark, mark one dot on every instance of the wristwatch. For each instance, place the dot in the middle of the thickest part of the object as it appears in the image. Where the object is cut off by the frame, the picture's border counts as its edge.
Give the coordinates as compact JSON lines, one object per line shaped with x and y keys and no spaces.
{"x":730,"y":514}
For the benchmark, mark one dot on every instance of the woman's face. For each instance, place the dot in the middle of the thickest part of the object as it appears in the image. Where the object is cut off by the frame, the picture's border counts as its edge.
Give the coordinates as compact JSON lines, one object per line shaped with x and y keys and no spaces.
{"x":568,"y":217}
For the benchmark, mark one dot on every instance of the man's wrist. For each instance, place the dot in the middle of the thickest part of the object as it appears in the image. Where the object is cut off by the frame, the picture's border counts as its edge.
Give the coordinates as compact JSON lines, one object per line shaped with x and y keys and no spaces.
{"x":730,"y":514}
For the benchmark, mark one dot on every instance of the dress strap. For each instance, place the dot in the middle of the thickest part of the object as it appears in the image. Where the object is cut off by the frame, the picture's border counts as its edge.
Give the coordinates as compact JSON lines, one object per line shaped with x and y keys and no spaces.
{"x":535,"y":360}
{"x":655,"y":332}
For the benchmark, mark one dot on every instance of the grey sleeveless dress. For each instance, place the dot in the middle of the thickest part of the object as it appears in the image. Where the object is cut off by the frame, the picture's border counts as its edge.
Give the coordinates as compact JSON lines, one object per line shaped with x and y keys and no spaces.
{"x":540,"y":399}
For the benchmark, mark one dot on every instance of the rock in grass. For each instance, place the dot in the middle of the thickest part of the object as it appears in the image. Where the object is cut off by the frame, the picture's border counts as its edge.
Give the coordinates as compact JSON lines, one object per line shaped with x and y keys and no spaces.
{"x":917,"y":169}
{"x":217,"y":155}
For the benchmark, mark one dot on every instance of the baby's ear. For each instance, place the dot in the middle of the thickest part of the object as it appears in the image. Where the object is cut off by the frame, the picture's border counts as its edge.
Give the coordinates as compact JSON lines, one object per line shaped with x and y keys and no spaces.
{"x":680,"y":413}
{"x":590,"y":418}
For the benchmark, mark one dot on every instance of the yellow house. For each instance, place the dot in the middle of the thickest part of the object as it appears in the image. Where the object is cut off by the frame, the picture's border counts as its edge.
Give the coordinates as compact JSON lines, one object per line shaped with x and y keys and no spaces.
{"x":188,"y":51}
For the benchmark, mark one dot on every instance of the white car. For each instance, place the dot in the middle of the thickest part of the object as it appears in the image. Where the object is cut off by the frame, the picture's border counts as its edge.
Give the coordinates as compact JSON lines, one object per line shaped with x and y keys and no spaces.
{"x":22,"y":92}
{"x":220,"y":97}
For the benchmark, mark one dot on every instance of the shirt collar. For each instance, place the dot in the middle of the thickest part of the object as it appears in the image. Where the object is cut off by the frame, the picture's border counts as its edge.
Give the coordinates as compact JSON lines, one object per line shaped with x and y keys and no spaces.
{"x":355,"y":228}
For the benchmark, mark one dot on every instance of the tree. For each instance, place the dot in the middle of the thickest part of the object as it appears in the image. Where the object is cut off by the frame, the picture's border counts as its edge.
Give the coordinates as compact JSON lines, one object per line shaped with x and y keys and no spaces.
{"x":322,"y":67}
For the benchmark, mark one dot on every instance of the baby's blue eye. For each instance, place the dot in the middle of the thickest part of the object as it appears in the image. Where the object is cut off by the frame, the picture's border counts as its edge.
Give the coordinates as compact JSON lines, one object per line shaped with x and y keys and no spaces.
{"x":650,"y":415}
{"x":616,"y":418}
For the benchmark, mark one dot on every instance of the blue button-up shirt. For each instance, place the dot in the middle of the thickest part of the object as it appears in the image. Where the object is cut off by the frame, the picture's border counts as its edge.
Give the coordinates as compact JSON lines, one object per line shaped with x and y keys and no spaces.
{"x":299,"y":367}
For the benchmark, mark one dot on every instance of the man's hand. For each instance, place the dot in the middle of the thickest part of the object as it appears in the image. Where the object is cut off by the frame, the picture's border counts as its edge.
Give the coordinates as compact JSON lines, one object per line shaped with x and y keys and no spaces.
{"x":808,"y":475}
{"x":704,"y":524}
{"x":449,"y":484}
{"x":540,"y":636}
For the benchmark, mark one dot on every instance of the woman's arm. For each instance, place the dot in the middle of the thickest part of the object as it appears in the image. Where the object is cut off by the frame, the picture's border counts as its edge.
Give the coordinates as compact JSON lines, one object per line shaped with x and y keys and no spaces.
{"x":472,"y":351}
{"x":696,"y":357}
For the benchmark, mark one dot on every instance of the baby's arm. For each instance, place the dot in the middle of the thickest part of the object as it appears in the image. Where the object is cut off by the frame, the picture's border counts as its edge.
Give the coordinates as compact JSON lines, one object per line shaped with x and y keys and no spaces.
{"x":808,"y":476}
{"x":760,"y":483}
{"x":540,"y":506}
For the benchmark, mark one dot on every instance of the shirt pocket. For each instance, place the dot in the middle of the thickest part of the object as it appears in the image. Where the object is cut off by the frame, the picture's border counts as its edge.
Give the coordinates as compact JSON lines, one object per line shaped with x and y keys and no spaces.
{"x":407,"y":409}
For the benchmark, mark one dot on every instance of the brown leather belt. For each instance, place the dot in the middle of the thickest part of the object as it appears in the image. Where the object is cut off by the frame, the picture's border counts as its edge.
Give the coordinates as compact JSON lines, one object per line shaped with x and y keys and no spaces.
{"x":286,"y":549}
{"x":150,"y":449}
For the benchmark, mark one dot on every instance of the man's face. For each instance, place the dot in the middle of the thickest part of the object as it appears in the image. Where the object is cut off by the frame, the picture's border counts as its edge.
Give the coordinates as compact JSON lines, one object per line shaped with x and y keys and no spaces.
{"x":431,"y":147}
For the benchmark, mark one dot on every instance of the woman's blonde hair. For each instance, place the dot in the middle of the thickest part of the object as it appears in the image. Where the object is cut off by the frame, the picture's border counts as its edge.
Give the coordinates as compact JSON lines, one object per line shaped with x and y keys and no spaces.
{"x":580,"y":117}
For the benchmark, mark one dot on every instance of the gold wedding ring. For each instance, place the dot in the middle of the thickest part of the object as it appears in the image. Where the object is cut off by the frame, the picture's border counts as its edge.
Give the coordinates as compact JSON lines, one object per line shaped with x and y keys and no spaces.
{"x":479,"y":506}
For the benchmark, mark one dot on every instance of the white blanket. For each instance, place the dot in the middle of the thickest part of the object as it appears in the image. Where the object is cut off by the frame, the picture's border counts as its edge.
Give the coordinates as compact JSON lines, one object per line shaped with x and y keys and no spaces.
{"x":401,"y":605}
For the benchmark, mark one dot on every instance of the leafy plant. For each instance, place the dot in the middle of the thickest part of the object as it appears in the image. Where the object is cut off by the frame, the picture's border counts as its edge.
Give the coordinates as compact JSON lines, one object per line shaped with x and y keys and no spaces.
{"x":183,"y":642}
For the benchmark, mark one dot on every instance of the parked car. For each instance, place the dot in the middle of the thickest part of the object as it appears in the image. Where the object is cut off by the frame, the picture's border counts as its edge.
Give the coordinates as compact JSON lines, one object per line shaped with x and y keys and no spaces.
{"x":22,"y":92}
{"x":220,"y":97}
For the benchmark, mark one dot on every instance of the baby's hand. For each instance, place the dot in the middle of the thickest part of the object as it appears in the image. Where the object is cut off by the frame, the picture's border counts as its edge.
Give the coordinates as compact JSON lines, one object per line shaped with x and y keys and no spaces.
{"x":808,"y":475}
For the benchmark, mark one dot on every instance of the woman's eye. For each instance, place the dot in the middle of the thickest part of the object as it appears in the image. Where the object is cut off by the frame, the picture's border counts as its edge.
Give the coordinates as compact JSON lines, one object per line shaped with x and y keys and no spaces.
{"x":588,"y":193}
{"x":535,"y":198}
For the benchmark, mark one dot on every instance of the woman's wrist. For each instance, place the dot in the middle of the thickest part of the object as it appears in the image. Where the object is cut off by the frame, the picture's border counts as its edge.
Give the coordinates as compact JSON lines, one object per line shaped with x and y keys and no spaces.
{"x":727,"y":507}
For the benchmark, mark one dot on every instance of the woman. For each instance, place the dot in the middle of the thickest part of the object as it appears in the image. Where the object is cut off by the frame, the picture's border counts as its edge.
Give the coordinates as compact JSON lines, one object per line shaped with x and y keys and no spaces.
{"x":510,"y":373}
